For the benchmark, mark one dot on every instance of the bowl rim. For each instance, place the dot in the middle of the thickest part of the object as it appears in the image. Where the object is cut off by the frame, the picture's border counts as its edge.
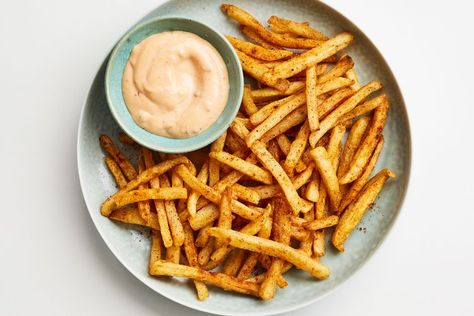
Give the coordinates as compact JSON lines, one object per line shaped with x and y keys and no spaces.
{"x":176,"y":148}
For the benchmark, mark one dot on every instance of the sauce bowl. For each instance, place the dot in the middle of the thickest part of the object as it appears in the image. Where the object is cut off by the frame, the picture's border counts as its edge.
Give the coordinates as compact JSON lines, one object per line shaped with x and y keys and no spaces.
{"x":116,"y":66}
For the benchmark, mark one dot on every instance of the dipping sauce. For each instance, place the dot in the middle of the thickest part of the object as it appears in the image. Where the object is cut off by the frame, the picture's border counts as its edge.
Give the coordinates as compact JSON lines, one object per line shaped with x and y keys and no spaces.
{"x":175,"y":84}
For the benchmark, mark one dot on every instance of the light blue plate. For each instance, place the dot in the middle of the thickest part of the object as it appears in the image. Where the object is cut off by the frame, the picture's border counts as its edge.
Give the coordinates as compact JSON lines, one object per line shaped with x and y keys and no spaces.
{"x":116,"y":66}
{"x":132,"y":250}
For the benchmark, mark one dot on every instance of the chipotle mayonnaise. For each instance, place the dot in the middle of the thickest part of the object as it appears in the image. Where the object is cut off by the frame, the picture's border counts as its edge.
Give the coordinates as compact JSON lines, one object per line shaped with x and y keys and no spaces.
{"x":175,"y":84}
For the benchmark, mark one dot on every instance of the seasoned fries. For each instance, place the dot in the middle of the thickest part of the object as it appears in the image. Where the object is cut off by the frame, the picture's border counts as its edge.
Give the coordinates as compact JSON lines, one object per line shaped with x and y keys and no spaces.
{"x":277,"y":182}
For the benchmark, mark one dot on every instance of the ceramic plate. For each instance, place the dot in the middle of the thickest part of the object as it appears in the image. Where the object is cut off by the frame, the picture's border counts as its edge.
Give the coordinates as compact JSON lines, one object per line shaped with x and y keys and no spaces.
{"x":132,"y":249}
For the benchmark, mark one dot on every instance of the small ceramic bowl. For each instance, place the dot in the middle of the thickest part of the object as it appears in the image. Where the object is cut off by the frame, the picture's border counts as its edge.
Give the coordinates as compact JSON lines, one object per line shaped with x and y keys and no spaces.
{"x":116,"y":66}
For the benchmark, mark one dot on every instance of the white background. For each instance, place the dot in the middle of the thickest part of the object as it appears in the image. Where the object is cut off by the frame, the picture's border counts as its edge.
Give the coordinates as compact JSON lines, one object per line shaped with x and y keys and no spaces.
{"x":52,"y":260}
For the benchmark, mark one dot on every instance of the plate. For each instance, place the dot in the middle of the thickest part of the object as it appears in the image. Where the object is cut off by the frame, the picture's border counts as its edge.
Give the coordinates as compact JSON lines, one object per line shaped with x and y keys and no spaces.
{"x":131,"y":248}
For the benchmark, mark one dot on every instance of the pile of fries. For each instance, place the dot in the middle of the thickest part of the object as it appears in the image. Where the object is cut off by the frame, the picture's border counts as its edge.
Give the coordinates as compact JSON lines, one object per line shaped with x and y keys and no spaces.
{"x":276,"y":182}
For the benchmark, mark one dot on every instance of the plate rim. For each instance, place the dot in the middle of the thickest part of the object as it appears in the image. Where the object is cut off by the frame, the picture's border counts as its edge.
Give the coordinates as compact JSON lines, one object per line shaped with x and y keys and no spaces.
{"x":293,"y":307}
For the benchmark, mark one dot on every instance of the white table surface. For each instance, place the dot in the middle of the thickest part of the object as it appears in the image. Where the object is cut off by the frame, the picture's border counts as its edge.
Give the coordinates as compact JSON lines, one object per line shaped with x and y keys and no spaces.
{"x":52,"y":260}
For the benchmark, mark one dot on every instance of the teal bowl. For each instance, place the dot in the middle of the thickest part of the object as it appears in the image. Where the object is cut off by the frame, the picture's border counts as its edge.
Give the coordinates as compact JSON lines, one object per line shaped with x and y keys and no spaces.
{"x":116,"y":66}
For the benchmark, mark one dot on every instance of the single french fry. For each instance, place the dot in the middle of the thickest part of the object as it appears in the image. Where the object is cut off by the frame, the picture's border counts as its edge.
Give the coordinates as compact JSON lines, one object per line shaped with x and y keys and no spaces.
{"x":297,"y":28}
{"x":205,"y":253}
{"x":330,"y":121}
{"x":353,"y":214}
{"x":271,"y":248}
{"x":125,"y":165}
{"x":339,"y":69}
{"x":175,"y":225}
{"x":257,"y":71}
{"x":366,"y":148}
{"x":312,"y":189}
{"x":254,"y":36}
{"x":214,"y":172}
{"x":322,"y":223}
{"x":202,"y":236}
{"x":202,"y":176}
{"x":242,"y":166}
{"x":221,"y":280}
{"x":297,"y":204}
{"x":319,"y":243}
{"x":265,"y":111}
{"x":303,"y":178}
{"x":130,"y":215}
{"x":245,"y":193}
{"x":312,"y":98}
{"x":191,"y":255}
{"x":143,"y":206}
{"x":331,"y":85}
{"x":244,"y":18}
{"x":204,"y":216}
{"x":317,"y":54}
{"x":358,"y":184}
{"x":364,"y":108}
{"x":159,"y":204}
{"x":125,"y":139}
{"x":297,"y":149}
{"x":328,"y":105}
{"x":155,"y":250}
{"x":225,"y":212}
{"x":295,"y":118}
{"x":328,"y":174}
{"x":173,"y":254}
{"x":334,"y":147}
{"x":257,"y":51}
{"x":116,"y":172}
{"x":248,"y":102}
{"x":208,"y":192}
{"x":149,"y":194}
{"x":266,"y":94}
{"x":353,"y":140}
{"x":275,"y":117}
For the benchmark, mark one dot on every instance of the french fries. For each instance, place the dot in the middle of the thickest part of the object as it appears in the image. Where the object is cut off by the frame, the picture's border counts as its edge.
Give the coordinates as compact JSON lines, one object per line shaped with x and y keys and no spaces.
{"x":276,"y":182}
{"x":351,"y":217}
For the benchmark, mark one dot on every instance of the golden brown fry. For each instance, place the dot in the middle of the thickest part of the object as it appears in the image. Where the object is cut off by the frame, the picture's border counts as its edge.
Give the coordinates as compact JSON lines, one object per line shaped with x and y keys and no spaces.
{"x":173,"y":254}
{"x":205,"y":253}
{"x":317,"y":54}
{"x":245,"y":193}
{"x":322,"y":223}
{"x":254,"y":36}
{"x":298,"y":28}
{"x":271,"y":248}
{"x":319,"y":243}
{"x":312,"y":189}
{"x":257,"y":70}
{"x":365,"y":150}
{"x":364,"y":108}
{"x":233,"y":262}
{"x":130,"y":215}
{"x":248,"y":102}
{"x":116,"y":172}
{"x":295,"y":118}
{"x":191,"y":255}
{"x":275,"y":150}
{"x":358,"y":184}
{"x":242,"y":166}
{"x":175,"y":224}
{"x":328,"y":174}
{"x":339,"y":69}
{"x":265,"y":111}
{"x":202,"y":176}
{"x":266,"y":94}
{"x":257,"y":51}
{"x":353,"y":140}
{"x":331,"y":120}
{"x":353,"y":214}
{"x":208,"y":192}
{"x":143,"y":206}
{"x":225,"y":212}
{"x":125,"y":139}
{"x":214,"y":172}
{"x":149,"y":194}
{"x":247,"y":19}
{"x":202,"y":236}
{"x":109,"y":147}
{"x":297,"y":149}
{"x":312,"y":98}
{"x":275,"y":117}
{"x":204,"y":216}
{"x":297,"y":204}
{"x":326,"y":106}
{"x":155,"y":250}
{"x":221,"y":280}
{"x":303,"y":178}
{"x":351,"y":74}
